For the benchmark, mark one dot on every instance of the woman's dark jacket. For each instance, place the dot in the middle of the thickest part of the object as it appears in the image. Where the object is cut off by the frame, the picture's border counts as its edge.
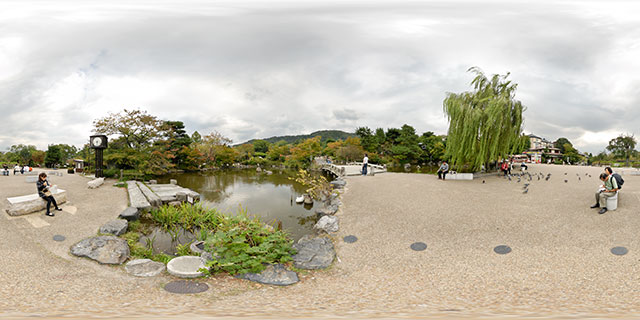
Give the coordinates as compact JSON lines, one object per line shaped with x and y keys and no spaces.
{"x":42,"y":187}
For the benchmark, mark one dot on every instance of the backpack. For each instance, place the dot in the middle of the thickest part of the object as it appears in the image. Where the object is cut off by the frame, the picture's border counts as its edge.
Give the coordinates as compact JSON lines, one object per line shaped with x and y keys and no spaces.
{"x":619,"y":180}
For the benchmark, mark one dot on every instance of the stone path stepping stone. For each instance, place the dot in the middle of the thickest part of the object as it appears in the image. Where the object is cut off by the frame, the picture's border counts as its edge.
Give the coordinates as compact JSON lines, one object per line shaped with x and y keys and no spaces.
{"x":184,"y":286}
{"x":619,"y":251}
{"x":418,"y":246}
{"x":350,"y":239}
{"x":104,"y":249}
{"x":274,"y":275}
{"x":186,"y":266}
{"x":144,"y":267}
{"x":130,"y":214}
{"x":115,"y":227}
{"x":313,"y":253}
{"x":58,"y":238}
{"x":502,"y":249}
{"x":70,"y":209}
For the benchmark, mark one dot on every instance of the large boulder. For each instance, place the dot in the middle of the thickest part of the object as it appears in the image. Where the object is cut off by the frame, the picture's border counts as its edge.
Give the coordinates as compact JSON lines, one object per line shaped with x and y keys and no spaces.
{"x":313,"y":253}
{"x":327,"y":210}
{"x":144,"y":268}
{"x":186,"y":266}
{"x":115,"y":227}
{"x":130,"y":214}
{"x":104,"y":249}
{"x":327,"y":224}
{"x":95,"y":183}
{"x":274,"y":274}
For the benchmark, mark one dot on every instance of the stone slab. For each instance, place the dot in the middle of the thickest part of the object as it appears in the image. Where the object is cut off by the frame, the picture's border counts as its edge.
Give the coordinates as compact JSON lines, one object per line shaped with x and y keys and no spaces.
{"x":130,"y":214}
{"x":115,"y":227}
{"x":186,"y":266}
{"x":104,"y":249}
{"x":144,"y":267}
{"x":274,"y":275}
{"x":136,"y":197}
{"x":153,"y":198}
{"x":32,"y":203}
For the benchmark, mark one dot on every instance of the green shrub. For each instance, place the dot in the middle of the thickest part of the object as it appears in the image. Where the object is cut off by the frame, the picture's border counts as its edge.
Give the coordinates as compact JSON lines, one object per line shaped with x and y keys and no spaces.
{"x":240,"y":243}
{"x":111,"y":173}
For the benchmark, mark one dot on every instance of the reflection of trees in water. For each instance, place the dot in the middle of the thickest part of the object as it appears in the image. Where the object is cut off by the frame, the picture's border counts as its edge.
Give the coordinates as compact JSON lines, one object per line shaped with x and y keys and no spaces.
{"x":311,"y":220}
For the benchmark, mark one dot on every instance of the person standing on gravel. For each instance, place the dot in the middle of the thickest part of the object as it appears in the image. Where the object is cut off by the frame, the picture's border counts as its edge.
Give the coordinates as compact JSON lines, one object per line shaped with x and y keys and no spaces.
{"x":365,"y":163}
{"x":45,"y":193}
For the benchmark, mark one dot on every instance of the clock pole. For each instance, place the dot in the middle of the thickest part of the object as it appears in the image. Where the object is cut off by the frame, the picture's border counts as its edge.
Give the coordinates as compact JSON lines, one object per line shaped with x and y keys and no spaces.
{"x":99,"y":173}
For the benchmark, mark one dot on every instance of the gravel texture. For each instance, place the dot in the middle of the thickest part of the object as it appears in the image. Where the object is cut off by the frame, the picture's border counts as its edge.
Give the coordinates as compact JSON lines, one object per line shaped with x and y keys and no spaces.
{"x":560,"y":265}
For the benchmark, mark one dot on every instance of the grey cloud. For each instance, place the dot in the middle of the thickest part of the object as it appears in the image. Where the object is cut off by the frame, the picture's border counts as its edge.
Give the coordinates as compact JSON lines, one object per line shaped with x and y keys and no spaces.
{"x":345,"y":114}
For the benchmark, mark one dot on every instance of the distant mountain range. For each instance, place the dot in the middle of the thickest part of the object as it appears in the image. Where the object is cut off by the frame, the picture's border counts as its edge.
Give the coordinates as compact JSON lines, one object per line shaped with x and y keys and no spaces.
{"x":325,"y":134}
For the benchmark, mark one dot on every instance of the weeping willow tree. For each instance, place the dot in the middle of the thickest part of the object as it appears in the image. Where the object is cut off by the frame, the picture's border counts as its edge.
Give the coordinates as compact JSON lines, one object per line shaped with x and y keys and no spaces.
{"x":484,"y":125}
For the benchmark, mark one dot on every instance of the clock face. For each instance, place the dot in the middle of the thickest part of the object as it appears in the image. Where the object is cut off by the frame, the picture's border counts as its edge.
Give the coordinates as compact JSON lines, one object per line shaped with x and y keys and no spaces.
{"x":97,"y":141}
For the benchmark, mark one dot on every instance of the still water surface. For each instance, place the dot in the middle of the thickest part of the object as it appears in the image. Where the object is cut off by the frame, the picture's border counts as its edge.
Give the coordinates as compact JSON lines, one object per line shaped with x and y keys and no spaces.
{"x":270,"y":197}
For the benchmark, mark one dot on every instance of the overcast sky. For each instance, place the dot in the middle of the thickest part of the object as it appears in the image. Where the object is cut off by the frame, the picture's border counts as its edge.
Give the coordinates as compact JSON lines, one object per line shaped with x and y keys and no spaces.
{"x":263,"y":68}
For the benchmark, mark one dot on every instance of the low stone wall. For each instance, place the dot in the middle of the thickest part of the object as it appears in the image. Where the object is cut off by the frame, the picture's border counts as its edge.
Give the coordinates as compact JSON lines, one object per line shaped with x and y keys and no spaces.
{"x":32,"y":203}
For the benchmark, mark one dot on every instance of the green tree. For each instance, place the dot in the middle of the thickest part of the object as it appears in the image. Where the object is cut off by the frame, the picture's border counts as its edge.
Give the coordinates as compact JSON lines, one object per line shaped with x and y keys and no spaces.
{"x":213,"y":146}
{"x":22,"y":153}
{"x":53,"y":156}
{"x":560,"y":143}
{"x":138,"y":128}
{"x":484,"y":125}
{"x":623,"y":146}
{"x":367,"y":140}
{"x":196,"y":137}
{"x":260,"y":146}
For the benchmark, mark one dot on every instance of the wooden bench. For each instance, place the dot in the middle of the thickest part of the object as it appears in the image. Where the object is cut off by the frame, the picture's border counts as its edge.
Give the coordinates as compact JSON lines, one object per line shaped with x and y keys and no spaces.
{"x":32,"y":203}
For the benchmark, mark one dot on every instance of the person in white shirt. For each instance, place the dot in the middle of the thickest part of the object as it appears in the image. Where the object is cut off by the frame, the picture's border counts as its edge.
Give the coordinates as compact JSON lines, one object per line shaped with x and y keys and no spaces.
{"x":365,"y":162}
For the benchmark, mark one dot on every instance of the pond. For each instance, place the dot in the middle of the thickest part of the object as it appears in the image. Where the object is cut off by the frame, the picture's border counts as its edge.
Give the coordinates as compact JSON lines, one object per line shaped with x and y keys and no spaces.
{"x":270,"y":197}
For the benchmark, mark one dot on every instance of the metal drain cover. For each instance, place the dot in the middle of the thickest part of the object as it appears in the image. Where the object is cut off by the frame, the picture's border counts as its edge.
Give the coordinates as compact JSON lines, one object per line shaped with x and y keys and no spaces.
{"x":184,"y":286}
{"x":350,"y":239}
{"x":619,"y":251}
{"x":418,"y":246}
{"x":502,"y":249}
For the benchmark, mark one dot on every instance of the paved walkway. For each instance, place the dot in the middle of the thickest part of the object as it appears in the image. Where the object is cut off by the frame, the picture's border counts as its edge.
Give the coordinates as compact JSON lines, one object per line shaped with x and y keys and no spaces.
{"x":560,"y":263}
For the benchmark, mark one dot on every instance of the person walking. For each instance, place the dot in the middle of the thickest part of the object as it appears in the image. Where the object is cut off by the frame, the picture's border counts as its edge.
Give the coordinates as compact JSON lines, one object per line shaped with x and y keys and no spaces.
{"x":365,"y":163}
{"x":45,"y":193}
{"x":444,"y":169}
{"x":607,"y":190}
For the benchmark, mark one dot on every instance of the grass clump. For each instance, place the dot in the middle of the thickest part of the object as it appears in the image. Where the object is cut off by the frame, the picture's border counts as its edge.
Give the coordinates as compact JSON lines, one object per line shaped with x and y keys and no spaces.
{"x":239,"y":243}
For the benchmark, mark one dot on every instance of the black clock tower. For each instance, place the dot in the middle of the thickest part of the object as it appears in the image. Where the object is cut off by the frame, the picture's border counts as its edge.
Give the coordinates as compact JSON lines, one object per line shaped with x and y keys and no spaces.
{"x":99,"y":143}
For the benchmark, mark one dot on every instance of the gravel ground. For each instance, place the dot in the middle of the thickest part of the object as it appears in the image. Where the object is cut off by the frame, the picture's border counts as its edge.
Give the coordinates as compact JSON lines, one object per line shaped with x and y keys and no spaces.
{"x":560,"y":265}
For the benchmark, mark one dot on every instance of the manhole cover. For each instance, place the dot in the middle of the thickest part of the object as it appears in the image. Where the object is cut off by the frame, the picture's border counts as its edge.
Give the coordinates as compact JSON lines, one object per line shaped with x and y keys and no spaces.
{"x":502,"y":249}
{"x":350,"y":239}
{"x":183,"y":286}
{"x":418,"y":246}
{"x":619,"y":251}
{"x":58,"y":237}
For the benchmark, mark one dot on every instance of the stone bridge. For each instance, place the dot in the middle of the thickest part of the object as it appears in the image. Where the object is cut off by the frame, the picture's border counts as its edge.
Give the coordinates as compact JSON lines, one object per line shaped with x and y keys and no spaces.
{"x":352,"y":169}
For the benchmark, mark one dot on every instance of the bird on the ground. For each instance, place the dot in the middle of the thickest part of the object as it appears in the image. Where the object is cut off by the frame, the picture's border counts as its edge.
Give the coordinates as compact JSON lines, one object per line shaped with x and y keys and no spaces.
{"x":526,"y":185}
{"x":518,"y":179}
{"x":482,"y":181}
{"x":525,"y":191}
{"x":547,"y":178}
{"x":565,"y":173}
{"x":509,"y":178}
{"x":565,"y":181}
{"x":579,"y":179}
{"x":538,"y":178}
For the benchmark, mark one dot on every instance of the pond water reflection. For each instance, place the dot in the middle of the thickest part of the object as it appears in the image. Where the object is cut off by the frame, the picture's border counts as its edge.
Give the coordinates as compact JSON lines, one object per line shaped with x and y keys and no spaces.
{"x":270,"y":197}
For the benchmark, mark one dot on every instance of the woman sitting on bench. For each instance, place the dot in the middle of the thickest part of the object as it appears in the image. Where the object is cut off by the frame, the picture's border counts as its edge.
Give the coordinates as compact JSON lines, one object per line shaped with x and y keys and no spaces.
{"x":44,"y":193}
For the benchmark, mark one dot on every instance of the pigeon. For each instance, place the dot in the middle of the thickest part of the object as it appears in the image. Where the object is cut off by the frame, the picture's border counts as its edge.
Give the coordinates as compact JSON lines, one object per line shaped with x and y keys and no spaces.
{"x":509,"y":178}
{"x":482,"y":181}
{"x":547,"y":178}
{"x":538,"y":178}
{"x":518,"y":179}
{"x":565,"y":173}
{"x":565,"y":181}
{"x":525,"y":191}
{"x":579,"y":179}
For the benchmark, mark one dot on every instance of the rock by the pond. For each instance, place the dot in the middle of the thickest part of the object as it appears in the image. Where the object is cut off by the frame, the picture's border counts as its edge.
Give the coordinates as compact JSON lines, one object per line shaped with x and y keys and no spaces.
{"x":130,"y":214}
{"x":338,"y":183}
{"x":104,"y":249}
{"x":258,"y":169}
{"x":313,"y":253}
{"x":327,"y":224}
{"x":307,"y":199}
{"x":153,"y":181}
{"x":197,"y":247}
{"x":144,"y":267}
{"x":186,"y":266}
{"x":206,"y":255}
{"x":173,"y":181}
{"x":275,"y":274}
{"x":95,"y":183}
{"x":115,"y":227}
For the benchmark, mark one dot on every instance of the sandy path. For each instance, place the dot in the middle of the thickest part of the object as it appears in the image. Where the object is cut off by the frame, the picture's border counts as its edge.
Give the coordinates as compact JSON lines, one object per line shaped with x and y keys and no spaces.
{"x":560,"y":263}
